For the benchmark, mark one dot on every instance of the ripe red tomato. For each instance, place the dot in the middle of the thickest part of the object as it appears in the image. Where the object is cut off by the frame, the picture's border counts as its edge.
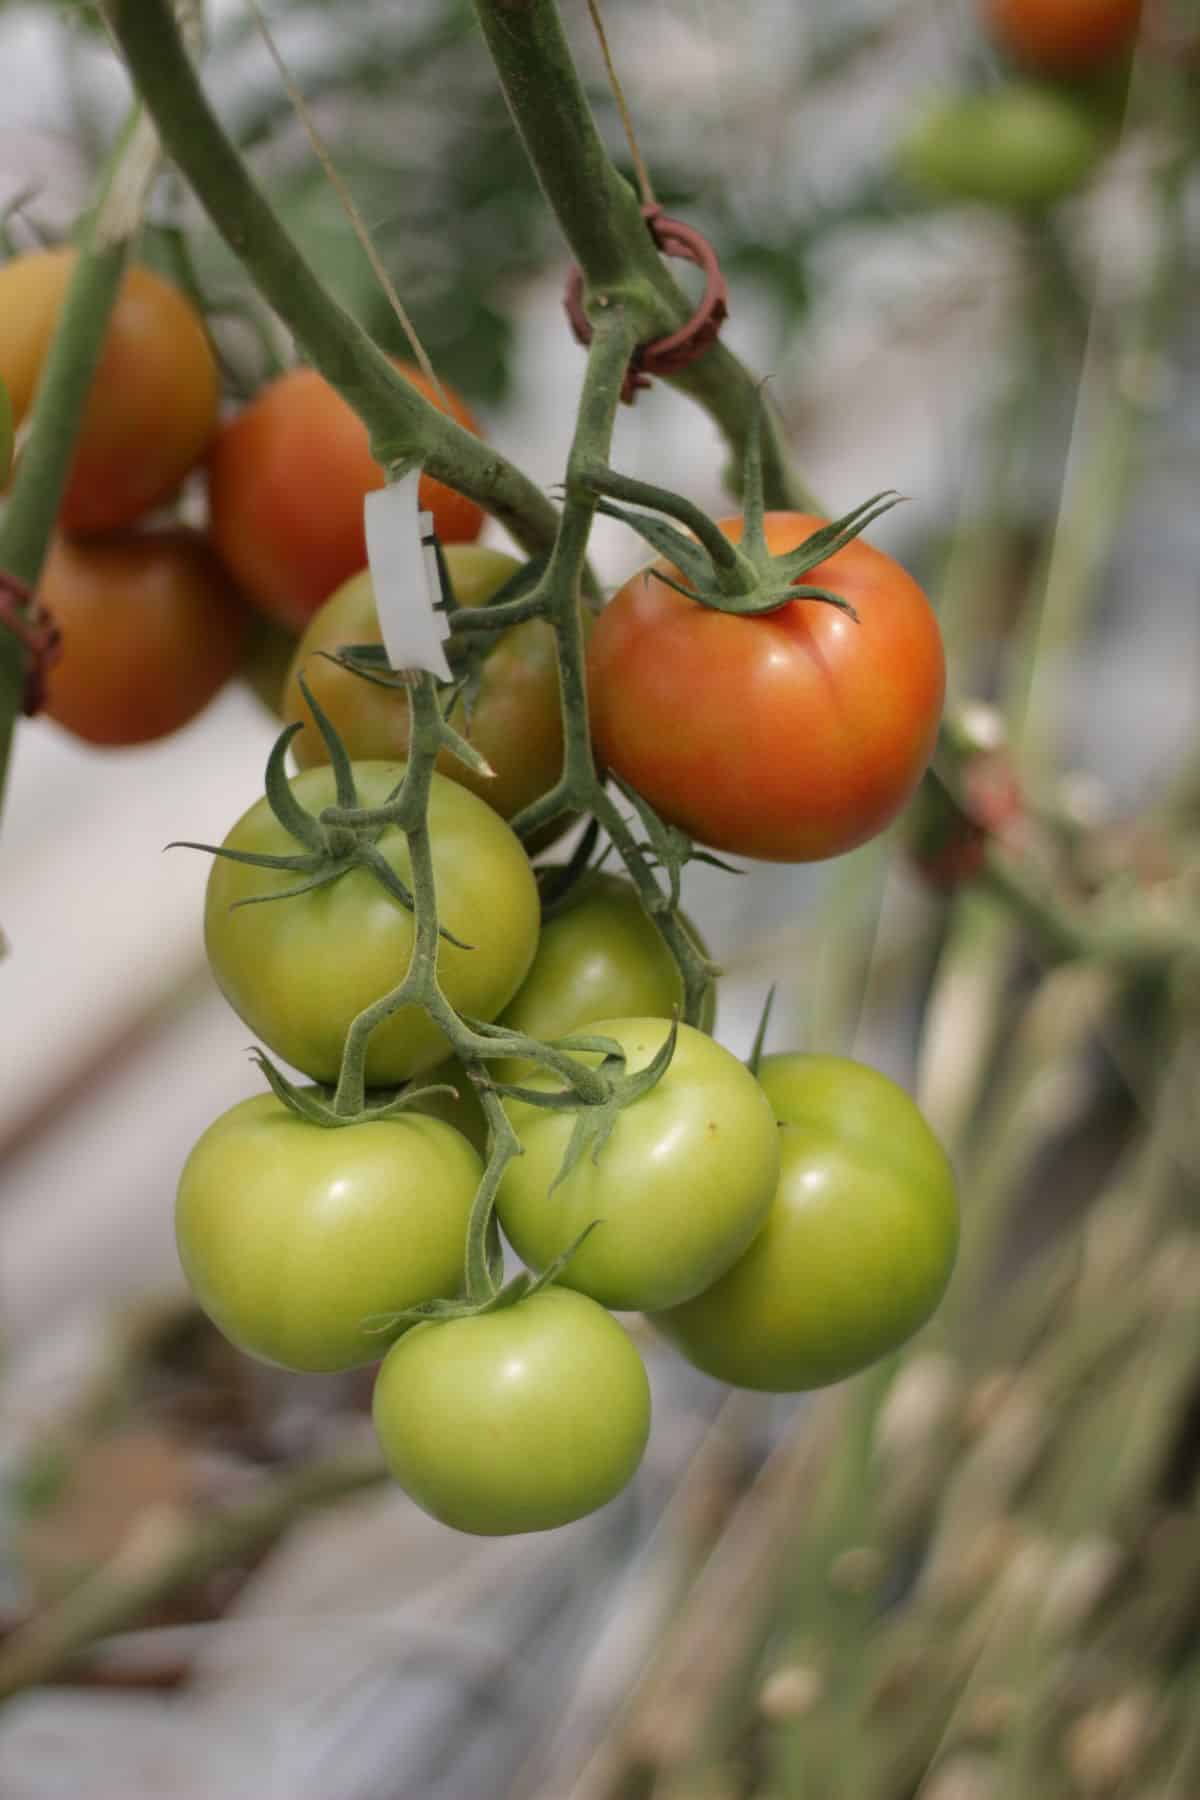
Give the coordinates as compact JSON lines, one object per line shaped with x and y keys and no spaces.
{"x":519,"y":1419}
{"x":286,"y":481}
{"x":1063,"y":37}
{"x":152,"y":627}
{"x":152,"y":406}
{"x":858,"y":1245}
{"x":516,"y":718}
{"x":792,"y":736}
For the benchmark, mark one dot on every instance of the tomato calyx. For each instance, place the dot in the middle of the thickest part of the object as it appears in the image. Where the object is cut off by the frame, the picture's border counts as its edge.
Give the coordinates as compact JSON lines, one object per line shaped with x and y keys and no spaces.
{"x":523,"y":1286}
{"x":746,"y":579}
{"x":310,"y":1103}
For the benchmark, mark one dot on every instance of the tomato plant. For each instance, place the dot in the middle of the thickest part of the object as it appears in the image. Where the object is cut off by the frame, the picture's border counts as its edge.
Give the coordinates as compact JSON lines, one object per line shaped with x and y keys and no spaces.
{"x":286,"y":482}
{"x":790,"y":736}
{"x":678,"y":1189}
{"x":600,"y":957}
{"x":856,"y":1250}
{"x":1063,"y":37}
{"x":299,"y":969}
{"x":152,"y":627}
{"x":515,"y":716}
{"x":292,"y":1235}
{"x":1018,"y":145}
{"x":514,"y":1420}
{"x":152,"y":404}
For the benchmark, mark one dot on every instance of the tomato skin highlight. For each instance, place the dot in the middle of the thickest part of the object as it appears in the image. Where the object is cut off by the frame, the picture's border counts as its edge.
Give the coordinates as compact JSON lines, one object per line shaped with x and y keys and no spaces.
{"x":152,"y":627}
{"x":858,"y":1246}
{"x":152,"y":406}
{"x":287,"y":478}
{"x":299,"y":970}
{"x":516,"y":1420}
{"x":600,"y":957}
{"x":790,"y":737}
{"x":291,"y":1234}
{"x":677,"y":1193}
{"x":1063,"y":37}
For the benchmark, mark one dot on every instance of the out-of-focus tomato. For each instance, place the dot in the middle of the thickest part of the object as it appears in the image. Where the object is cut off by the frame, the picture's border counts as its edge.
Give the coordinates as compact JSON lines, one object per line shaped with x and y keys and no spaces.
{"x":1018,"y":146}
{"x":152,"y":626}
{"x":6,"y":434}
{"x":1063,"y":37}
{"x":287,"y":478}
{"x":152,"y":405}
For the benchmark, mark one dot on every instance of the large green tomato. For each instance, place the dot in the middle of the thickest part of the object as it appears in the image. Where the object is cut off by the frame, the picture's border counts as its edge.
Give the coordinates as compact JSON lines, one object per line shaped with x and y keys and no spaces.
{"x":679,"y":1190}
{"x":1019,"y":146}
{"x":514,"y":1420}
{"x":292,"y":1234}
{"x":298,"y":970}
{"x":601,"y":957}
{"x":857,"y":1249}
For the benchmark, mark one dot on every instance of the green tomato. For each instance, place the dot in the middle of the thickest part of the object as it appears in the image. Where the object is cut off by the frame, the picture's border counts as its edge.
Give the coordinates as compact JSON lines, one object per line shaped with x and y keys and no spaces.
{"x":6,"y":434}
{"x":601,"y":957}
{"x":292,"y":1234}
{"x":1019,"y":146}
{"x":858,"y":1246}
{"x":298,"y":970}
{"x":676,"y":1194}
{"x":515,"y":1420}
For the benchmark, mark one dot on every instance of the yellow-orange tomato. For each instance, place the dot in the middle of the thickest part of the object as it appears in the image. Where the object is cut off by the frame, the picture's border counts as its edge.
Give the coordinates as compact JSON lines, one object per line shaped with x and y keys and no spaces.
{"x":286,"y":481}
{"x":515,"y":723}
{"x":1063,"y":37}
{"x":790,"y":736}
{"x":151,"y":626}
{"x":152,"y":405}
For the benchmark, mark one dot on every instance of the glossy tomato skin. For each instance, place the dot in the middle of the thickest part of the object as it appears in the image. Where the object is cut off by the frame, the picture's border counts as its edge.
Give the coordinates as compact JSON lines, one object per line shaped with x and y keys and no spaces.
{"x":1021,"y":146}
{"x":600,"y":957}
{"x":292,"y":1235}
{"x":789,"y":737}
{"x":286,"y":483}
{"x":299,"y":970}
{"x":152,"y":406}
{"x":516,"y":716}
{"x":1063,"y":37}
{"x":152,"y":627}
{"x":857,"y":1248}
{"x":516,"y":1420}
{"x":680,"y":1188}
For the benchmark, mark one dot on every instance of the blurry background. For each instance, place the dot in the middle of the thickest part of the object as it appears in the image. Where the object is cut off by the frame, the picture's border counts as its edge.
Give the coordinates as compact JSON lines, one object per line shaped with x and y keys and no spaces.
{"x":1027,"y":376}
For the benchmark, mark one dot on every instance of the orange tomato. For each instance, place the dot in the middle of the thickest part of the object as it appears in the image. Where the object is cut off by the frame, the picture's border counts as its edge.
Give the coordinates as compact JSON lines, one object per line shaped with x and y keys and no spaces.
{"x":287,"y":479}
{"x":1063,"y":37}
{"x":152,"y":627}
{"x":152,"y":405}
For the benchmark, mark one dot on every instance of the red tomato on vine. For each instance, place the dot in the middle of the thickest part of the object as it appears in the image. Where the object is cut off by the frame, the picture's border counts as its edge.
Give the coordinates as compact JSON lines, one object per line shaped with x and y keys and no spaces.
{"x":789,"y":736}
{"x":1063,"y":37}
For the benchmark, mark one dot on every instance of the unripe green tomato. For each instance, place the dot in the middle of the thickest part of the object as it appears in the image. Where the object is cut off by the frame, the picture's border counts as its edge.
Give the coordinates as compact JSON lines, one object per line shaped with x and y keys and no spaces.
{"x":292,"y":1235}
{"x":515,"y":1420}
{"x":600,"y":957}
{"x":6,"y":434}
{"x":856,"y":1250}
{"x":299,"y":967}
{"x":675,"y":1195}
{"x":1019,"y":146}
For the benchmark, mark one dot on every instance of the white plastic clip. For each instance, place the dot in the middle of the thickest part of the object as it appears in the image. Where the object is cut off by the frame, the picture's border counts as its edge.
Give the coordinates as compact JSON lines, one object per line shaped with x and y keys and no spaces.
{"x":404,"y":569}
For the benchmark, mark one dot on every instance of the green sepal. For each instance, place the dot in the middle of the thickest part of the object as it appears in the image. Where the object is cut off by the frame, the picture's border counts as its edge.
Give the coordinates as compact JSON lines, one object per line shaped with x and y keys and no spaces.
{"x":339,"y":760}
{"x":296,"y":820}
{"x":760,"y":1036}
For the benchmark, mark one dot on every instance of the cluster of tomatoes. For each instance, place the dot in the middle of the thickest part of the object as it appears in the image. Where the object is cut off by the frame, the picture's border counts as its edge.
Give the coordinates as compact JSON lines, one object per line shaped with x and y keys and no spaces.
{"x":156,"y":615}
{"x":783,"y":1227}
{"x":1038,"y":134}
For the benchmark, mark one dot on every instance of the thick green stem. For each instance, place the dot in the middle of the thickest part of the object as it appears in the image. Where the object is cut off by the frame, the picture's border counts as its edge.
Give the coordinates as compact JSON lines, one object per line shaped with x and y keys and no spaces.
{"x":600,"y":218}
{"x":405,"y":429}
